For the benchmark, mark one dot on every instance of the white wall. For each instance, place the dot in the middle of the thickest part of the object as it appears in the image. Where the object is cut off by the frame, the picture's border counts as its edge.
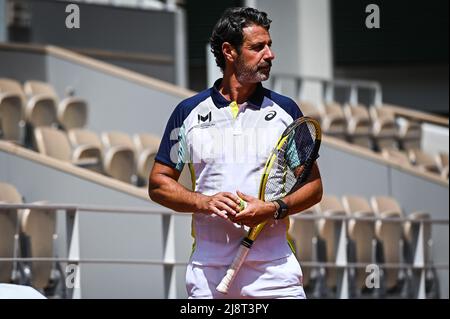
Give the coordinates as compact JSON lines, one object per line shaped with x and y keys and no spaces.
{"x":302,"y":39}
{"x":3,"y":21}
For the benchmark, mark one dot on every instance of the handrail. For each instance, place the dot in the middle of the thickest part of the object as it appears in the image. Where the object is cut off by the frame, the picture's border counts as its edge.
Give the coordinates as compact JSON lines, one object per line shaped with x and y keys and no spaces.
{"x":181,"y":263}
{"x":417,"y":115}
{"x":89,"y":208}
{"x":169,"y":260}
{"x":140,"y":5}
{"x":100,"y":66}
{"x":328,"y":86}
{"x":353,"y":85}
{"x":165,"y":211}
{"x":126,"y":56}
{"x":74,"y":170}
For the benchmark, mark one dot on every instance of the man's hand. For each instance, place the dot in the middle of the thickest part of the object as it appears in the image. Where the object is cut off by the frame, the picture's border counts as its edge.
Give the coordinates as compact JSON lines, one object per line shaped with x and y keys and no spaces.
{"x":223,"y":204}
{"x":256,"y":211}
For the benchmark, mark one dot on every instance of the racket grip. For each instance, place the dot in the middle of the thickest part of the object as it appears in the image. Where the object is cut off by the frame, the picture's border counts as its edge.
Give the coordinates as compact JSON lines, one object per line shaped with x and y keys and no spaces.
{"x":231,"y":273}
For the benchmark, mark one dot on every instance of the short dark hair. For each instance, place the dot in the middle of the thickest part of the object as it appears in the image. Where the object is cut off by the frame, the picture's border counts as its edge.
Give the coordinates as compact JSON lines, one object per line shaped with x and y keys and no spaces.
{"x":229,"y":29}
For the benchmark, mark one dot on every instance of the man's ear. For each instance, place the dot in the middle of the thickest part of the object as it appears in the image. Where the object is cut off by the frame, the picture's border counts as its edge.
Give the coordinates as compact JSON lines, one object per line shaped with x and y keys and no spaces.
{"x":229,"y":52}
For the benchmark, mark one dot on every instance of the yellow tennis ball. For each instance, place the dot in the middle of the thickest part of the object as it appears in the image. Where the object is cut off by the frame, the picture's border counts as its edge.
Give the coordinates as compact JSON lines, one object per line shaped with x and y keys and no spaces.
{"x":242,"y":204}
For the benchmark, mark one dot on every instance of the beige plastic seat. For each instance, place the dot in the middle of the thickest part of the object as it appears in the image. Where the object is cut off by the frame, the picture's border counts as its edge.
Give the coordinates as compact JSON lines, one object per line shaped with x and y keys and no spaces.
{"x":87,"y":145}
{"x":390,"y":234}
{"x":384,"y":128}
{"x":71,"y":112}
{"x":359,"y":127}
{"x":310,"y":109}
{"x":328,"y":230}
{"x":39,"y":226}
{"x":410,"y":134}
{"x":333,"y":120}
{"x":42,"y":104}
{"x":442,"y":163}
{"x":111,"y":158}
{"x":397,"y":156}
{"x":12,"y":105}
{"x":55,"y":143}
{"x":424,"y":161}
{"x":8,"y":229}
{"x":119,"y":146}
{"x":302,"y":232}
{"x":362,"y":234}
{"x":411,"y":232}
{"x":145,"y":145}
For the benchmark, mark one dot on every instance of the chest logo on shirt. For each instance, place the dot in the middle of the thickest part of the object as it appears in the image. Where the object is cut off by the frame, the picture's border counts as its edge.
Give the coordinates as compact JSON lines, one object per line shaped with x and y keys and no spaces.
{"x":204,"y":118}
{"x":270,"y":115}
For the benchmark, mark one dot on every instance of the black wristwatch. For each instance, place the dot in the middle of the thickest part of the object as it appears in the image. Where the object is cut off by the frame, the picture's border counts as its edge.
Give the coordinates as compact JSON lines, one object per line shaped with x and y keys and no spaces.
{"x":282,"y":210}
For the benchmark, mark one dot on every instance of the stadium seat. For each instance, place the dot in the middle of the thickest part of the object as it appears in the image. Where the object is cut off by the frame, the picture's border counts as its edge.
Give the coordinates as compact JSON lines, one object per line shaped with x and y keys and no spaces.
{"x":410,"y":134}
{"x":12,"y":105}
{"x":390,"y":236}
{"x":119,"y":156}
{"x":42,"y":104}
{"x":362,"y":239}
{"x":411,"y":235}
{"x":8,"y":231}
{"x":303,"y":232}
{"x":55,"y":143}
{"x":424,"y":161}
{"x":310,"y":109}
{"x":328,"y":230}
{"x":86,"y":144}
{"x":384,"y":128}
{"x":397,"y":156}
{"x":146,"y":145}
{"x":333,"y":120}
{"x":442,"y":163}
{"x":71,"y":112}
{"x":359,"y":126}
{"x":38,"y":228}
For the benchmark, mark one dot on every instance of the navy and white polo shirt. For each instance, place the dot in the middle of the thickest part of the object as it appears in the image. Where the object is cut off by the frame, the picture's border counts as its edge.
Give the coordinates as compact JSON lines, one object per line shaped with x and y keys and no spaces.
{"x":226,"y":147}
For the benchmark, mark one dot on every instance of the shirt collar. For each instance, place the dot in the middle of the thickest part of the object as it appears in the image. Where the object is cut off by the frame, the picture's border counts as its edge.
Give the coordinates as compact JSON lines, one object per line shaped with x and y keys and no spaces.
{"x":220,"y":101}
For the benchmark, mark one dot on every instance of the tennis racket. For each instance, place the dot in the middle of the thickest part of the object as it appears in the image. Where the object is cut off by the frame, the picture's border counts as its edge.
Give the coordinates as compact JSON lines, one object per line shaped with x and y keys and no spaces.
{"x":286,"y":170}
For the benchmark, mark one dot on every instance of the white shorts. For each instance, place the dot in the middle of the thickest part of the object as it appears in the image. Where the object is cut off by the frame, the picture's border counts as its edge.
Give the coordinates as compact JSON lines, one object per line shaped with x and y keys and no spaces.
{"x":281,"y":278}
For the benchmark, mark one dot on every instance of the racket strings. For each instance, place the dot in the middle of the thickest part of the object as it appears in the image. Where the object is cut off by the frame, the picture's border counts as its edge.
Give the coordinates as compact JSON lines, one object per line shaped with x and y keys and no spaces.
{"x":290,"y":161}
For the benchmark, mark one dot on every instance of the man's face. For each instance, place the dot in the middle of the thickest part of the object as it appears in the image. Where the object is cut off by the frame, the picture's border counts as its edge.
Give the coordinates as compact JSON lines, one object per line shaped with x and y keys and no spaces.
{"x":254,"y":62}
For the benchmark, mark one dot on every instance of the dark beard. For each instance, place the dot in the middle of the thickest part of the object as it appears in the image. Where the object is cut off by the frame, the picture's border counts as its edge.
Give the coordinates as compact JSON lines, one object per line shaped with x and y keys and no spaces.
{"x":249,"y":74}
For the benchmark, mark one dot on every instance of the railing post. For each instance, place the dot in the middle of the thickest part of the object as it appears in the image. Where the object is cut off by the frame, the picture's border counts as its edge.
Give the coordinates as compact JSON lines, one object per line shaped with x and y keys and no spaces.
{"x":300,"y":89}
{"x":342,"y":261}
{"x":169,"y":256}
{"x":419,"y":261}
{"x":378,"y":98}
{"x":353,"y":99}
{"x":329,"y":91}
{"x":73,"y":246}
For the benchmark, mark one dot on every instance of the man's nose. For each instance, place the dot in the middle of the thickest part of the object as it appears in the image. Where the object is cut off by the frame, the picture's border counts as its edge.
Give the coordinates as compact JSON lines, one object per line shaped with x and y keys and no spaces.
{"x":269,"y":54}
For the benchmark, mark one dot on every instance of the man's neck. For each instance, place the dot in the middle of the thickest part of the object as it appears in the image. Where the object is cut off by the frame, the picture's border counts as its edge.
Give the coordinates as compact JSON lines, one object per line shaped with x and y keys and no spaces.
{"x":233,"y":90}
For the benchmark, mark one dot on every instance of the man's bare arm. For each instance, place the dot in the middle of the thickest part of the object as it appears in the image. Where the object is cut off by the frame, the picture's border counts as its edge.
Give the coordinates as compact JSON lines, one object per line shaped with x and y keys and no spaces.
{"x":308,"y":195}
{"x":163,"y":188}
